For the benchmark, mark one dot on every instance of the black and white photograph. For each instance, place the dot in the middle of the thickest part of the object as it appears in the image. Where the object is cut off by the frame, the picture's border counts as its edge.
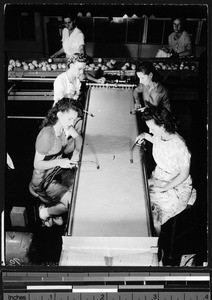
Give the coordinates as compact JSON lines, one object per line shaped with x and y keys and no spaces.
{"x":106,"y":135}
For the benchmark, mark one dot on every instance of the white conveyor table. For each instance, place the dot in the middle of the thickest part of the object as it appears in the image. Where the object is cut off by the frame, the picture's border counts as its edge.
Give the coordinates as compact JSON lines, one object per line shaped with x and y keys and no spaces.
{"x":110,"y":220}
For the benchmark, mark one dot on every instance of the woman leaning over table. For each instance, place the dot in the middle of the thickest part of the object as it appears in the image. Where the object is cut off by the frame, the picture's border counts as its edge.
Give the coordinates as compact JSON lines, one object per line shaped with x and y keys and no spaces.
{"x":68,"y":83}
{"x":150,"y":91}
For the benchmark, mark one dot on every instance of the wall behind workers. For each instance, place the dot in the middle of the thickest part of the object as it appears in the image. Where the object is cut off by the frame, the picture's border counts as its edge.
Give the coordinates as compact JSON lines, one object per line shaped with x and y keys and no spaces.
{"x":127,"y":43}
{"x":26,"y":50}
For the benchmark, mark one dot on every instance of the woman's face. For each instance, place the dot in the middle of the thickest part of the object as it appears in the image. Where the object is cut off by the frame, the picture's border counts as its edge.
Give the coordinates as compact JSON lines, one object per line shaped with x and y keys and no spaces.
{"x":79,"y":68}
{"x":69,"y":23}
{"x":155,"y":129}
{"x":177,"y":25}
{"x":144,"y":78}
{"x":67,"y":118}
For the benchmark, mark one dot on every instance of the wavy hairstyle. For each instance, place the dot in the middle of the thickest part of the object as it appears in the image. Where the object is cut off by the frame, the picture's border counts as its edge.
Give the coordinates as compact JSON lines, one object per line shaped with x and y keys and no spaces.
{"x":65,"y":104}
{"x":80,"y":57}
{"x":147,"y":67}
{"x":162,"y":117}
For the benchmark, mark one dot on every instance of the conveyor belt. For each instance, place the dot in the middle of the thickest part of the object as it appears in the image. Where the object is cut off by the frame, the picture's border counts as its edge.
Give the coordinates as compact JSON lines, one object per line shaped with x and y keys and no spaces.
{"x":110,"y":212}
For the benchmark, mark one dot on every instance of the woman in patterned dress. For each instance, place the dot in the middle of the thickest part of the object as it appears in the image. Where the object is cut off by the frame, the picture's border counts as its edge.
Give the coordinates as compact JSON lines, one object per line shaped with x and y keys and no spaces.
{"x":170,"y":183}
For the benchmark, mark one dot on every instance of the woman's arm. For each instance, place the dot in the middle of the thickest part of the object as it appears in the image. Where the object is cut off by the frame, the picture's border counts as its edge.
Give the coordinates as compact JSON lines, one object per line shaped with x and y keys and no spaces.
{"x":77,"y":143}
{"x":59,"y":52}
{"x":136,"y":95}
{"x":40,"y":163}
{"x":182,"y":176}
{"x":154,"y":99}
{"x":187,"y":45}
{"x":185,"y":52}
{"x":144,"y":136}
{"x":59,"y":91}
{"x":82,"y":49}
{"x":97,"y":80}
{"x":77,"y":149}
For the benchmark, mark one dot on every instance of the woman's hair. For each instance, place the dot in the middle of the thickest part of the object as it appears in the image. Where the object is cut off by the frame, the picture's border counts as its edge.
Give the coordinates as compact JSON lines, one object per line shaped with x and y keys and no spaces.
{"x":162,"y":117}
{"x":146,"y":67}
{"x":182,"y":20}
{"x":65,"y":104}
{"x":80,"y":57}
{"x":70,"y":16}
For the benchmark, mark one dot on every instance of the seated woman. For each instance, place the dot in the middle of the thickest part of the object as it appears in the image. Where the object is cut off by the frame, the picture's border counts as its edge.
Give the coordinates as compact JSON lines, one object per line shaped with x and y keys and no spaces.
{"x":170,"y":183}
{"x":150,"y":91}
{"x":53,"y":175}
{"x":68,"y":83}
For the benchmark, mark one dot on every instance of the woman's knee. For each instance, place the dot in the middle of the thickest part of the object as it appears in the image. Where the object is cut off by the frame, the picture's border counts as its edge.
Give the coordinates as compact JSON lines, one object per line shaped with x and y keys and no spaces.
{"x":66,"y":199}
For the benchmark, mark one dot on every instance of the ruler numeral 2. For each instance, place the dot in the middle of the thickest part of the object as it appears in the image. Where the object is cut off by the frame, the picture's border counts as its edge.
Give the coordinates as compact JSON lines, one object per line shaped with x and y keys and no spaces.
{"x":102,"y":297}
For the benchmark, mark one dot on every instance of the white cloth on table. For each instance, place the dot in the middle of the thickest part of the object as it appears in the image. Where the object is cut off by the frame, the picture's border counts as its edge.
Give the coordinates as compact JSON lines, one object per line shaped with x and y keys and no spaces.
{"x":169,"y":157}
{"x":71,"y":43}
{"x":162,"y":53}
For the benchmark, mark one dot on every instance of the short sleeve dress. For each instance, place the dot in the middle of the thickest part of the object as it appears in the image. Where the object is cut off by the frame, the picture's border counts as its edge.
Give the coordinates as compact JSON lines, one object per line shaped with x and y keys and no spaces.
{"x":169,"y":157}
{"x":51,"y":184}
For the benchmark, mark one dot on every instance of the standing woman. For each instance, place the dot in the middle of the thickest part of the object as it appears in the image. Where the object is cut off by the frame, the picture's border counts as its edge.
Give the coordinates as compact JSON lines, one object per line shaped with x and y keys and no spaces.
{"x":170,"y":183}
{"x":73,"y":40}
{"x":150,"y":91}
{"x":179,"y":41}
{"x":53,"y":175}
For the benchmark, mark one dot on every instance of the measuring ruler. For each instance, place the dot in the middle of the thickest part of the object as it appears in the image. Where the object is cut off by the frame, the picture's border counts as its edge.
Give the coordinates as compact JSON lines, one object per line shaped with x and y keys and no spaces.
{"x":105,"y":286}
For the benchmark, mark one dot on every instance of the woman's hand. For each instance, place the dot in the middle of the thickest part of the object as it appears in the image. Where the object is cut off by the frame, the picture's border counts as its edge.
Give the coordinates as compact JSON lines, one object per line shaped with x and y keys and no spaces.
{"x":140,"y":138}
{"x":142,"y":109}
{"x":157,"y":189}
{"x":101,"y":80}
{"x":137,"y":106}
{"x":65,"y":163}
{"x":165,"y":49}
{"x":174,"y":55}
{"x":53,"y":55}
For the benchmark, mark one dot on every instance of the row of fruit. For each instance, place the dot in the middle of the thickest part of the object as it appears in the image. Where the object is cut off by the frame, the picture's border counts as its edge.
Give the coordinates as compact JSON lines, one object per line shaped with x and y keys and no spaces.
{"x":184,"y":65}
{"x":47,"y":65}
{"x":112,"y":64}
{"x":109,"y":65}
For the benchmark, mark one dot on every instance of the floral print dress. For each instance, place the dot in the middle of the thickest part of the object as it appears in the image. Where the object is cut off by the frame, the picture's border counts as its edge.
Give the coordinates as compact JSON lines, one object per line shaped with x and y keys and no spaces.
{"x":170,"y":156}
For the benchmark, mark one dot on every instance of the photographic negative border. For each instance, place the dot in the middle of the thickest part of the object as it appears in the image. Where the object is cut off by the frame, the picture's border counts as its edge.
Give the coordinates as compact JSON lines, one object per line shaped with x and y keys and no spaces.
{"x":3,"y":76}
